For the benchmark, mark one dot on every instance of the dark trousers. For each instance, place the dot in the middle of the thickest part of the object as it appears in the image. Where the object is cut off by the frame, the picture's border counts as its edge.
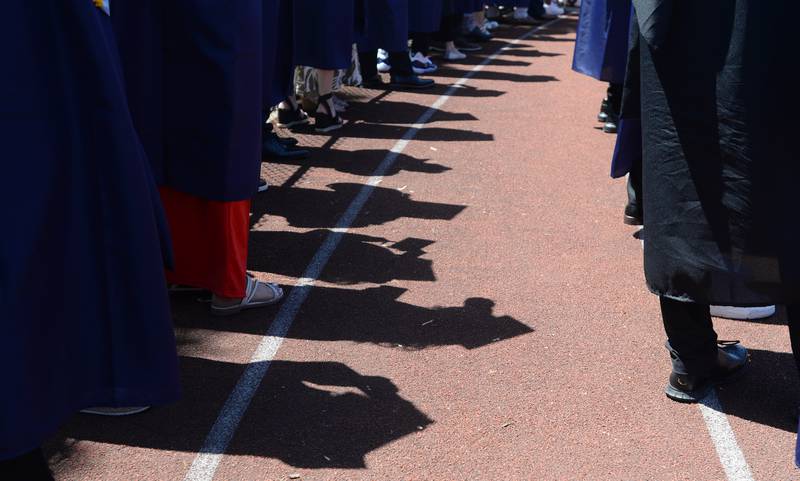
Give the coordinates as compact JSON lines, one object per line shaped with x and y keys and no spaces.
{"x":614,"y":96}
{"x":536,"y":9}
{"x":635,"y":186}
{"x":449,"y":28}
{"x":401,"y":64}
{"x":28,"y":467}
{"x":691,"y":335}
{"x":420,"y":42}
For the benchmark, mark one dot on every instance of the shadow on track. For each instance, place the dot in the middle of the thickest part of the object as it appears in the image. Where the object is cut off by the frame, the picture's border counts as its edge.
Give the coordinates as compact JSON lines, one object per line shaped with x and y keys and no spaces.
{"x":316,"y":208}
{"x":768,"y":394}
{"x":362,"y":162}
{"x":306,"y":414}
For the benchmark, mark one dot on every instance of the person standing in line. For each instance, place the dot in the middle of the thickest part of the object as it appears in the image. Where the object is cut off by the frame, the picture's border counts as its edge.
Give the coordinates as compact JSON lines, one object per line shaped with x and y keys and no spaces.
{"x":719,"y":176}
{"x":85,"y":314}
{"x":206,"y":154}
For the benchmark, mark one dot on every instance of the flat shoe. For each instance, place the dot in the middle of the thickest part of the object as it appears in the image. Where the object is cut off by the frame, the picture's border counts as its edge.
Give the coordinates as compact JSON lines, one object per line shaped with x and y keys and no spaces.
{"x":249,"y":301}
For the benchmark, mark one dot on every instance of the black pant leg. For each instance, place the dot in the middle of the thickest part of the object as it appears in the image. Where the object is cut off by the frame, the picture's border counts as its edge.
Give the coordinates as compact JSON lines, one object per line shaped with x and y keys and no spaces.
{"x":635,"y":186}
{"x":369,"y":64}
{"x":793,"y":312}
{"x":420,"y":42}
{"x":691,"y":335}
{"x":401,"y":63}
{"x":614,"y":96}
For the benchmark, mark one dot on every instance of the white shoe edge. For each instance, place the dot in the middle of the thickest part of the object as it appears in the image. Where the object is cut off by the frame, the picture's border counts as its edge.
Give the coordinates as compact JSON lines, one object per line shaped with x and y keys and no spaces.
{"x":742,"y":313}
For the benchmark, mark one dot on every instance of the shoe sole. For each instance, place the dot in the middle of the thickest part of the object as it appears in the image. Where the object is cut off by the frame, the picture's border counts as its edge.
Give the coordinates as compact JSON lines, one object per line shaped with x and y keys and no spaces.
{"x":115,"y":414}
{"x":296,"y":123}
{"x":697,"y":396}
{"x":631,"y":220}
{"x":329,"y":128}
{"x":742,"y":313}
{"x":226,"y":312}
{"x":411,"y":87}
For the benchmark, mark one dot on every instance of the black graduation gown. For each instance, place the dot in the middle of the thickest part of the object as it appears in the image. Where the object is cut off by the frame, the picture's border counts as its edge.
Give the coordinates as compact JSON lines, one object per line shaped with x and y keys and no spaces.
{"x":720,"y":165}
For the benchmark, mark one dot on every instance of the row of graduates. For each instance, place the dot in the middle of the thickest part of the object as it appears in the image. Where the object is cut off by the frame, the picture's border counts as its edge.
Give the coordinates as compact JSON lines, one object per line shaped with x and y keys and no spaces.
{"x":706,"y":139}
{"x":132,"y":133}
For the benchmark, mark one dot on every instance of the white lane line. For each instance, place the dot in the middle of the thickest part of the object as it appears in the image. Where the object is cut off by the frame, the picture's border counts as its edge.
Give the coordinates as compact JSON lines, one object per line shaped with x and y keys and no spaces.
{"x":730,"y":455}
{"x":207,"y":460}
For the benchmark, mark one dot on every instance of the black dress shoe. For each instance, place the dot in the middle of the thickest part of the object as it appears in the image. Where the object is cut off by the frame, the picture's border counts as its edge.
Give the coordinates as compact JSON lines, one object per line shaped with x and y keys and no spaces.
{"x":288,"y":141}
{"x":274,"y":148}
{"x":375,"y":82}
{"x":732,"y":357}
{"x":410,"y":82}
{"x":633,"y":215}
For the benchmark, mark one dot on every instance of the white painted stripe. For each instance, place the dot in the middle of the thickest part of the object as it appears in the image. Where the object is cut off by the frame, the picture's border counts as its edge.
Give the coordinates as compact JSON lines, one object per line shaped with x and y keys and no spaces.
{"x":730,"y":455}
{"x":207,"y":460}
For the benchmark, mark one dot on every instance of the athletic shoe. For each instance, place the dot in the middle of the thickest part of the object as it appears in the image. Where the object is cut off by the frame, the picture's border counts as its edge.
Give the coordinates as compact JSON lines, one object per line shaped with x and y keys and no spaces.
{"x":324,"y":122}
{"x":421,"y":64}
{"x":453,"y":55}
{"x":382,"y":55}
{"x":731,"y":359}
{"x":553,"y":9}
{"x":292,"y":118}
{"x":383,"y":67}
{"x":491,"y":25}
{"x":478,"y":34}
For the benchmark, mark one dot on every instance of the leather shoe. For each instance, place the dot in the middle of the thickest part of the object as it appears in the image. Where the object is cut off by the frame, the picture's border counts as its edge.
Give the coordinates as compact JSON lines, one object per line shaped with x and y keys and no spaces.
{"x":410,"y":82}
{"x":732,"y":357}
{"x":633,"y":215}
{"x":274,"y":148}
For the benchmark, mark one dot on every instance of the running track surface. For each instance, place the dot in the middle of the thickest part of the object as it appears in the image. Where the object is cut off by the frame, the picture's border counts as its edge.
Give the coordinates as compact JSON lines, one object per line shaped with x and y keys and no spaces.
{"x":484,"y":317}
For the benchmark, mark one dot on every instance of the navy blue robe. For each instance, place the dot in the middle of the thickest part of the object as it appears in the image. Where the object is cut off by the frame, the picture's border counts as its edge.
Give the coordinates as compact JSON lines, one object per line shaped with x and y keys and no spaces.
{"x":386,"y":26}
{"x":278,"y":51}
{"x":85,"y":315}
{"x":324,"y":33}
{"x":424,"y":16}
{"x":199,"y":79}
{"x":601,"y":45}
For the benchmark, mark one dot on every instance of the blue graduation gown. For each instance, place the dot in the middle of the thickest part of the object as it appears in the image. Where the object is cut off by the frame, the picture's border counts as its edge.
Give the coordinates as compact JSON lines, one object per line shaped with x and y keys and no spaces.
{"x":386,"y":26}
{"x":201,"y":83}
{"x":601,"y":45}
{"x":278,"y":51}
{"x":424,"y":16}
{"x":324,"y":33}
{"x":85,"y":315}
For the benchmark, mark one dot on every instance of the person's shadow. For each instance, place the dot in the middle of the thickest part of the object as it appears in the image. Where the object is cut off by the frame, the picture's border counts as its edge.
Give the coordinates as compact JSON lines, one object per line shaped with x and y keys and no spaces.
{"x":768,"y":393}
{"x":307,"y":414}
{"x":376,"y":316}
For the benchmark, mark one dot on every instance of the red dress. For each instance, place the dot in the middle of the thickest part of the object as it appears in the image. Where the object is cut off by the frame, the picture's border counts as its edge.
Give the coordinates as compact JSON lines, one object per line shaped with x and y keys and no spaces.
{"x":209,"y":240}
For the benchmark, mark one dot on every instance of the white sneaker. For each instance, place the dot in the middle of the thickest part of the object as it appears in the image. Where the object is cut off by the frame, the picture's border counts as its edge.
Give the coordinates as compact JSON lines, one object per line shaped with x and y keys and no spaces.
{"x":454,"y":55}
{"x":384,"y":67}
{"x":382,"y":55}
{"x":553,"y":9}
{"x":491,"y":25}
{"x":422,"y":65}
{"x":742,"y":313}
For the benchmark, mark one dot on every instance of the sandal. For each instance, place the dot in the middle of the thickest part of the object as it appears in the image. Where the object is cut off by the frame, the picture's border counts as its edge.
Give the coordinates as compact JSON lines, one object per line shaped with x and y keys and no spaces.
{"x":249,"y":301}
